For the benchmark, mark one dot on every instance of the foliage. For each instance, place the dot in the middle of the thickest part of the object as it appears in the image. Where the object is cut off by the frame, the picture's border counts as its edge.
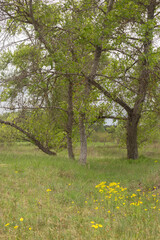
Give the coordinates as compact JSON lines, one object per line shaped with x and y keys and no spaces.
{"x":9,"y":134}
{"x":39,"y":123}
{"x":148,"y":130}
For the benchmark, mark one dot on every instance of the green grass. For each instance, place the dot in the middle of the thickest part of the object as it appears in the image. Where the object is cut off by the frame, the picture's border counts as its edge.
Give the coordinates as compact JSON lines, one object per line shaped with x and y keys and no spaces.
{"x":74,"y":203}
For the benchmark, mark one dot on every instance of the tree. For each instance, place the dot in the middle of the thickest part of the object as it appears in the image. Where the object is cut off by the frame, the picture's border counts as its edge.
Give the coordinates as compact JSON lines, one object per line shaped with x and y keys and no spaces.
{"x":107,"y":45}
{"x":26,"y":60}
{"x":127,"y":30}
{"x":32,"y":90}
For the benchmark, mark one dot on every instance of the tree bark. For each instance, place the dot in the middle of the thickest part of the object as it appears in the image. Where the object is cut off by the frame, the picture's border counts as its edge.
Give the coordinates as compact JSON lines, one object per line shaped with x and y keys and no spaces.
{"x":70,"y":121}
{"x":132,"y":146}
{"x":82,"y":128}
{"x":83,"y":140}
{"x":70,"y":146}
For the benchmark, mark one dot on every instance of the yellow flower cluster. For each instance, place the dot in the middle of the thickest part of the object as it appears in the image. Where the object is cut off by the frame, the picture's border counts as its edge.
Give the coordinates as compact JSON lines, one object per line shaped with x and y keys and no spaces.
{"x":16,"y":226}
{"x":136,"y":203}
{"x":114,"y":197}
{"x":111,"y":189}
{"x":96,"y":225}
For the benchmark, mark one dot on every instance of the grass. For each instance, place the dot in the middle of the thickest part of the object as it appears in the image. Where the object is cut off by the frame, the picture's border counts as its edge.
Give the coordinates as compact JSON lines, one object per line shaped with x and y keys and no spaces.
{"x":45,"y":197}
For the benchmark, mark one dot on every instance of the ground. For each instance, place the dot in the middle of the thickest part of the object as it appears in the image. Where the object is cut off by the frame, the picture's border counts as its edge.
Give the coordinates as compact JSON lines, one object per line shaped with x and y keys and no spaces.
{"x":46,"y":197}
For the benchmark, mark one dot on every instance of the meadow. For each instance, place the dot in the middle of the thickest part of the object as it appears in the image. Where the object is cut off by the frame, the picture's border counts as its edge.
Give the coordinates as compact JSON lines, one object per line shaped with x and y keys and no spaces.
{"x":44,"y":197}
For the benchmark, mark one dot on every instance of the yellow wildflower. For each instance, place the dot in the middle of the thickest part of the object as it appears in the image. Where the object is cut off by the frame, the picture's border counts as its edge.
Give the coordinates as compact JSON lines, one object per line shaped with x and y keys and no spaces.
{"x":48,"y":190}
{"x":95,"y":226}
{"x":113,"y":184}
{"x":153,"y":207}
{"x":121,"y":197}
{"x":7,"y":224}
{"x":132,"y":203}
{"x":21,"y":219}
{"x":15,"y":227}
{"x":133,"y":195}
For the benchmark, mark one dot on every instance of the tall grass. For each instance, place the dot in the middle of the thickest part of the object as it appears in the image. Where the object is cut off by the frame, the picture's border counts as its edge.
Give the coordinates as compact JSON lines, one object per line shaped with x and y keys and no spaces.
{"x":45,"y":197}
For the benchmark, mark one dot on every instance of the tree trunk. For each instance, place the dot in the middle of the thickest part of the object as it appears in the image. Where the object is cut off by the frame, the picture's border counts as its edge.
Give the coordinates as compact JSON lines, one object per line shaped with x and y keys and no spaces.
{"x":70,"y":147}
{"x":70,"y":121}
{"x":132,"y":146}
{"x":83,"y":139}
{"x":135,"y":114}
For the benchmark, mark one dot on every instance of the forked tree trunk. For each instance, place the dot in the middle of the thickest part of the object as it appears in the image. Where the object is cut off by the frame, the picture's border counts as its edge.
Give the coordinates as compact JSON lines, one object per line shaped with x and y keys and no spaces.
{"x":132,"y":145}
{"x":83,"y":140}
{"x":70,"y":121}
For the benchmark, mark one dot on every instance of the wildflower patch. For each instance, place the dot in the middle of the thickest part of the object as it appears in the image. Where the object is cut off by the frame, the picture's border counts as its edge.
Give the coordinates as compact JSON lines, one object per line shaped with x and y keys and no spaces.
{"x":117,"y":202}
